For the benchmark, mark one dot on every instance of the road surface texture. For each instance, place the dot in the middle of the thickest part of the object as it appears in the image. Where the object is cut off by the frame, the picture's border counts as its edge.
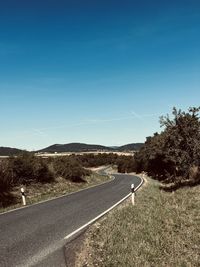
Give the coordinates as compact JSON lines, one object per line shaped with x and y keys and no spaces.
{"x":34,"y":236}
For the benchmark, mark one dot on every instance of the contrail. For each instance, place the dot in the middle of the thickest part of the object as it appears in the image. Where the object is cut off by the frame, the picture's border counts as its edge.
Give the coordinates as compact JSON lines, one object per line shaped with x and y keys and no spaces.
{"x":138,"y":116}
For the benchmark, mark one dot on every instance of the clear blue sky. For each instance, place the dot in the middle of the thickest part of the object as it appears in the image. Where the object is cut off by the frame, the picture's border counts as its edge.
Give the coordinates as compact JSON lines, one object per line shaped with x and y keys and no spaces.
{"x":95,"y":71}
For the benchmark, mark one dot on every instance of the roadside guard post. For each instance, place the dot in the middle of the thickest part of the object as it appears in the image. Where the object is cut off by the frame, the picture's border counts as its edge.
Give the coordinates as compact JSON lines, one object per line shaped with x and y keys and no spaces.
{"x":133,"y":194}
{"x":23,"y":197}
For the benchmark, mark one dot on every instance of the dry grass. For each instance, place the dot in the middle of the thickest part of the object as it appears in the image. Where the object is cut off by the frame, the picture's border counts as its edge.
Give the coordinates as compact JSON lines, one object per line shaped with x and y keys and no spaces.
{"x":162,"y":229}
{"x":39,"y":192}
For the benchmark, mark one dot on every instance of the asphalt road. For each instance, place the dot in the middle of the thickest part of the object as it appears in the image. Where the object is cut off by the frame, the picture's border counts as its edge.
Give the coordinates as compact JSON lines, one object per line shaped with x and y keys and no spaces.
{"x":34,"y":236}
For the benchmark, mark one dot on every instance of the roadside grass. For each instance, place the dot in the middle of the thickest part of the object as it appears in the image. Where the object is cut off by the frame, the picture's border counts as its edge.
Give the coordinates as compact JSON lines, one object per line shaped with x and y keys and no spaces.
{"x":43,"y":191}
{"x":162,"y":229}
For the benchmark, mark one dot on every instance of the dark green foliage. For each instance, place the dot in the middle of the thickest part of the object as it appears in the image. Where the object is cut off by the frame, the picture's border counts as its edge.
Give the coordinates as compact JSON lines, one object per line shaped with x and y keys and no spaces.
{"x":5,"y":184}
{"x":5,"y":179}
{"x":123,"y":163}
{"x":174,"y":154}
{"x":9,"y":151}
{"x":70,"y":169}
{"x":92,"y":160}
{"x":23,"y":169}
{"x":126,"y":164}
{"x":27,"y":168}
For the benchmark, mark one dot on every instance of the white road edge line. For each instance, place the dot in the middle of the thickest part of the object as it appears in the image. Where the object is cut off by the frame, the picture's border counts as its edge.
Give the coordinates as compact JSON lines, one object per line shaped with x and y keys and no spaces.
{"x":103,"y":213}
{"x":68,"y":194}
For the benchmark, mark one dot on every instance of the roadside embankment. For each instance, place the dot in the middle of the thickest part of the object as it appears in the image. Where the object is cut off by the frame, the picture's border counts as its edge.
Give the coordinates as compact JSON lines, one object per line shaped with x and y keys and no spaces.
{"x":37,"y":192}
{"x":162,"y":229}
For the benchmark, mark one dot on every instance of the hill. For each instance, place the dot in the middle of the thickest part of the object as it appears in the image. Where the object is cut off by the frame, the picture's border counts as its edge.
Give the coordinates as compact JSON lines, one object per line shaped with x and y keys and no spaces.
{"x":80,"y":147}
{"x":131,"y":147}
{"x":9,"y":151}
{"x":74,"y":147}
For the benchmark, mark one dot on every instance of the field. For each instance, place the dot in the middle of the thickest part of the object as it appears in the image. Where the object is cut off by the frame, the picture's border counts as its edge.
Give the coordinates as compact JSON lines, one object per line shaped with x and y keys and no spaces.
{"x":162,"y":229}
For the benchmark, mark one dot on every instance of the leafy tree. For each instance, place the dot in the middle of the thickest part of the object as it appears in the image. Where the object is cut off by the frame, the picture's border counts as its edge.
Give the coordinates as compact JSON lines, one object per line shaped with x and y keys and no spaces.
{"x":174,"y":154}
{"x":70,"y":169}
{"x":27,"y":168}
{"x":126,"y":164}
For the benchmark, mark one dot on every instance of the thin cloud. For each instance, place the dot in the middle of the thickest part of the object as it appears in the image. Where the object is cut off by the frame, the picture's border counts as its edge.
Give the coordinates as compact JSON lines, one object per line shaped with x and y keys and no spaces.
{"x":84,"y":122}
{"x":108,"y":120}
{"x":43,"y":131}
{"x":40,"y":133}
{"x":142,"y":116}
{"x":136,"y":115}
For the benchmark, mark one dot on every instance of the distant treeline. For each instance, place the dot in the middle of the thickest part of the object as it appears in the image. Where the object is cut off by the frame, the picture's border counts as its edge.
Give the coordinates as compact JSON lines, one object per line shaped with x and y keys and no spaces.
{"x":123,"y":163}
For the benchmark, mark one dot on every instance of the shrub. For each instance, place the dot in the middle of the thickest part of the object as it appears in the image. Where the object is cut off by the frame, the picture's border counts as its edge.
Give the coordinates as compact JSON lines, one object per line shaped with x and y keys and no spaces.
{"x":70,"y":169}
{"x":5,"y":179}
{"x":5,"y":184}
{"x":126,"y":164}
{"x":27,"y":168}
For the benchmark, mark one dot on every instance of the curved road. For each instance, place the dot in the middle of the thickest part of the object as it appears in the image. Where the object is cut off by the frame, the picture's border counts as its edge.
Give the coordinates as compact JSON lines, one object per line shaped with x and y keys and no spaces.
{"x":34,"y":236}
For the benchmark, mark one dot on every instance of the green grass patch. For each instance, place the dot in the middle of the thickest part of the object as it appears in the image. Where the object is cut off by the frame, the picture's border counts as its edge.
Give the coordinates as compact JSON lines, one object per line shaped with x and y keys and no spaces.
{"x":162,"y":229}
{"x":43,"y":191}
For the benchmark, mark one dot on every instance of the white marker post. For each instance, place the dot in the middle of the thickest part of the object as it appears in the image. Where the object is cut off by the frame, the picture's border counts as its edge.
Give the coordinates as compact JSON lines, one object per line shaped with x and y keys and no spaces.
{"x":133,"y":194}
{"x":23,"y":197}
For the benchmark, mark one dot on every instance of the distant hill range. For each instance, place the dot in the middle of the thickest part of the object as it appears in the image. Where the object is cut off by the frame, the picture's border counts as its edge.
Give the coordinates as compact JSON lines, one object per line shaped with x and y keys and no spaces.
{"x":130,"y":147}
{"x":9,"y":151}
{"x":80,"y":147}
{"x":72,"y":147}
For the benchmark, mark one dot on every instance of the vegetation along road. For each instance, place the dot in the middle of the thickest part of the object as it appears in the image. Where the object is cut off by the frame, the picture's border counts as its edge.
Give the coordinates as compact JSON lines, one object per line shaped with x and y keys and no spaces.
{"x":35,"y":236}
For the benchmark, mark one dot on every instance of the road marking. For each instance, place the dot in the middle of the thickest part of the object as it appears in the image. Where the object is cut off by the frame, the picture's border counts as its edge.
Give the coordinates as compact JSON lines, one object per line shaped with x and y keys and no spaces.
{"x":103,"y":213}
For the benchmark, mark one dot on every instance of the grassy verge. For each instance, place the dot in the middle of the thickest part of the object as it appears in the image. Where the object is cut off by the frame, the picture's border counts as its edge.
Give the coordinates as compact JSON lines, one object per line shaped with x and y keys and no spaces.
{"x":39,"y":192}
{"x":162,"y":229}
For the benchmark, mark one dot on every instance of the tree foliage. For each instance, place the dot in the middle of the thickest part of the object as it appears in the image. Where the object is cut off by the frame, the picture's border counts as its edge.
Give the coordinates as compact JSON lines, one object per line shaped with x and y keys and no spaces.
{"x":174,"y":154}
{"x":27,"y":168}
{"x":70,"y":169}
{"x":24,"y":169}
{"x":126,"y":164}
{"x":123,"y":163}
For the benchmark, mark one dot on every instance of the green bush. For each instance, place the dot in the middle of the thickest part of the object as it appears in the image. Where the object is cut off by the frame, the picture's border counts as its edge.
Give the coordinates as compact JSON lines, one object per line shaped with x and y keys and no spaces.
{"x":70,"y":169}
{"x":27,"y":168}
{"x":5,"y":179}
{"x":6,"y":197}
{"x":91,"y":160}
{"x":126,"y":164}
